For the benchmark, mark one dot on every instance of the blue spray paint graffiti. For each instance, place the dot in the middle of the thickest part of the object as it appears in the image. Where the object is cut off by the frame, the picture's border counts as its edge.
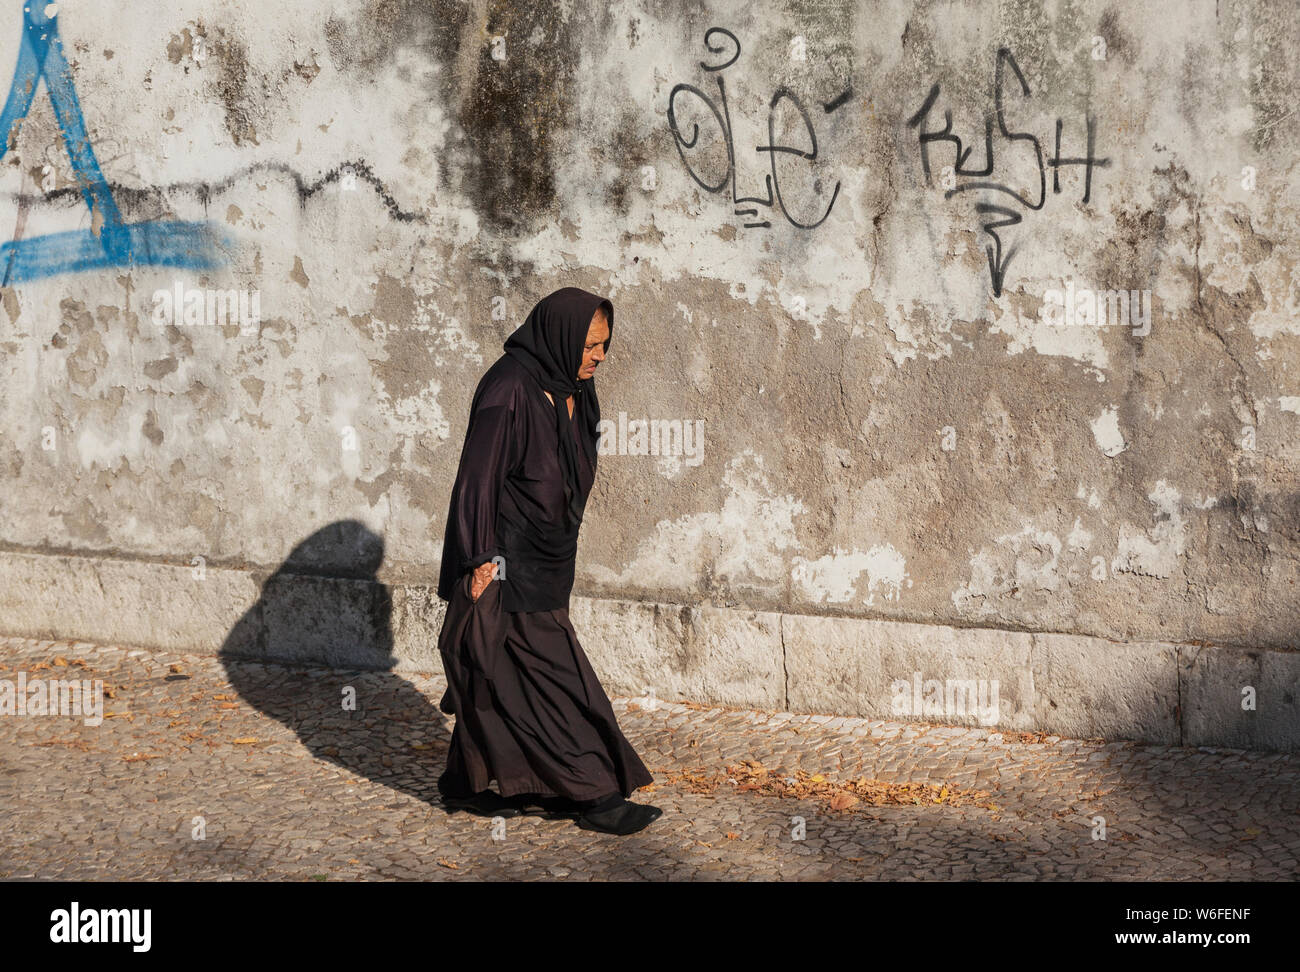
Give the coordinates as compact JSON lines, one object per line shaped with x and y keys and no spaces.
{"x":108,"y":242}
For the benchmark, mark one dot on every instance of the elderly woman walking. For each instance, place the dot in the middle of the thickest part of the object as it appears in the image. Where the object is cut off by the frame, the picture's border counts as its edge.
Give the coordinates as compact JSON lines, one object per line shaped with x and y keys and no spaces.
{"x":530,"y":712}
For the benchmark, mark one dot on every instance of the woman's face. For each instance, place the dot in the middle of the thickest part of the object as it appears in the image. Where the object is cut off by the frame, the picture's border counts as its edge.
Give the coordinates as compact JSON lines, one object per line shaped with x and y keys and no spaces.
{"x":594,"y":352}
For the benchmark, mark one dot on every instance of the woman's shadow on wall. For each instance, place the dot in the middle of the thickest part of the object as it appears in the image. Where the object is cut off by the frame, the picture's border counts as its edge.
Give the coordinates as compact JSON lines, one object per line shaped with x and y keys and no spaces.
{"x":315,"y":653}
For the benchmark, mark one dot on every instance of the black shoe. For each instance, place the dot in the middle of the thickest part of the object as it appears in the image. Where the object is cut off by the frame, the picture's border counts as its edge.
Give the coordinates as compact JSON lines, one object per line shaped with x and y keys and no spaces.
{"x":622,"y":819}
{"x":487,"y":803}
{"x":546,"y":807}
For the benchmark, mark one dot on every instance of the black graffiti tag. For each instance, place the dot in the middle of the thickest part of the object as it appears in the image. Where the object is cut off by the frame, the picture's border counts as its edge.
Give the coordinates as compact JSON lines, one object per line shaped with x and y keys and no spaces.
{"x":1001,"y":216}
{"x":730,"y":45}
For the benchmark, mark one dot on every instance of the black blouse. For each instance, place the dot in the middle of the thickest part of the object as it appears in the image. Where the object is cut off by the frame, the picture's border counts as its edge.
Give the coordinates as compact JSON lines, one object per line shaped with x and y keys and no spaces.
{"x":508,"y":499}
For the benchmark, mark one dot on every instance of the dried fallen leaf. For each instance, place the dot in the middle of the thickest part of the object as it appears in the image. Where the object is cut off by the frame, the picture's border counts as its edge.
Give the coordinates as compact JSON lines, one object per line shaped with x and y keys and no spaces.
{"x":60,"y":661}
{"x":842,"y":801}
{"x":751,"y":775}
{"x":446,"y":863}
{"x":71,"y":743}
{"x":173,"y":668}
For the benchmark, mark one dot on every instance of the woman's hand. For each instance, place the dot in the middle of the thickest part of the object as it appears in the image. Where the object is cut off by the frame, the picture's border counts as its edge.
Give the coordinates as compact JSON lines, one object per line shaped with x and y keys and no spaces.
{"x":483,"y":575}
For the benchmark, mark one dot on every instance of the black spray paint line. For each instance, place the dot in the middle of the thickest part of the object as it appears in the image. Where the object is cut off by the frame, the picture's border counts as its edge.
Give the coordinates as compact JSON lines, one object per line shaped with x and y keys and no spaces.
{"x":844,"y":96}
{"x":206,"y":190}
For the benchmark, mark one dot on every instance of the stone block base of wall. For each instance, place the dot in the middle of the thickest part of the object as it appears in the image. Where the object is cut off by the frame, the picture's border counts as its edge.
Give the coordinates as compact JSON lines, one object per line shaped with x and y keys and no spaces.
{"x":1067,"y":685}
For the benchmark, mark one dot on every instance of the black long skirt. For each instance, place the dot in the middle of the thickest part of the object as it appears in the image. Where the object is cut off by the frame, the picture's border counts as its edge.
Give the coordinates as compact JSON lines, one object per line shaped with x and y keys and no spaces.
{"x":530,"y":712}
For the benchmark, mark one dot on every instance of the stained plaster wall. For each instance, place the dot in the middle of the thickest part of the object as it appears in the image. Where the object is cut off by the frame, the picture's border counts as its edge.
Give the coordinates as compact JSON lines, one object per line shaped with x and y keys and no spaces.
{"x":891,"y":429}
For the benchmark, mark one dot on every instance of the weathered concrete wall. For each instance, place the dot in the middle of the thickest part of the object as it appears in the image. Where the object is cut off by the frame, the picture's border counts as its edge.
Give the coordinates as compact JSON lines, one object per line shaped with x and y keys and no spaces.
{"x":899,"y":422}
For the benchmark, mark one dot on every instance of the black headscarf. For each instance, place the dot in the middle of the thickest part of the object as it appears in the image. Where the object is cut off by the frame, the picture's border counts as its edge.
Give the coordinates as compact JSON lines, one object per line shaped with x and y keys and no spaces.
{"x":549,"y":344}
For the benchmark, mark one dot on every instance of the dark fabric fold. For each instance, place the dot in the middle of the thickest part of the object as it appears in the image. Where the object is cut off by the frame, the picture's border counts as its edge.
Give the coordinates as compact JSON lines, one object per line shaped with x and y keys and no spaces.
{"x":525,"y":469}
{"x":471,"y":641}
{"x":549,"y":344}
{"x":530,"y":714}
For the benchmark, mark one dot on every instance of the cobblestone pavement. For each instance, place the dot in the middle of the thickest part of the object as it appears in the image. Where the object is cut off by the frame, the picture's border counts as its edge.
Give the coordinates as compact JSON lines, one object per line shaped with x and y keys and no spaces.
{"x":289,"y":785}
